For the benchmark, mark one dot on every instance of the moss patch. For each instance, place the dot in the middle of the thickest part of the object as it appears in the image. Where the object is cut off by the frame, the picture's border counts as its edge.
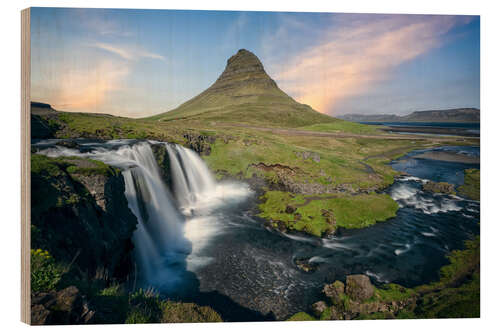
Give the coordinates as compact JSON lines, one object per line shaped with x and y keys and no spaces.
{"x":301,"y":316}
{"x":323,"y":213}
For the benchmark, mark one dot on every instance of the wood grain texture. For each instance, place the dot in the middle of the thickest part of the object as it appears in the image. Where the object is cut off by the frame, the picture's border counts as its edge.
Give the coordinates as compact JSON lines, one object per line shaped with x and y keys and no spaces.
{"x":25,"y":166}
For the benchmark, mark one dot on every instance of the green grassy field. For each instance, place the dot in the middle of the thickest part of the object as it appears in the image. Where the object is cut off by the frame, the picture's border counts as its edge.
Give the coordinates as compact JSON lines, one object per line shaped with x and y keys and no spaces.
{"x":342,"y":161}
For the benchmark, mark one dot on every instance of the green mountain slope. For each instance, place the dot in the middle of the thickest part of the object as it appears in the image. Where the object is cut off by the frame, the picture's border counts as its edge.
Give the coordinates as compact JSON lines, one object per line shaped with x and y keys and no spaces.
{"x":245,"y":93}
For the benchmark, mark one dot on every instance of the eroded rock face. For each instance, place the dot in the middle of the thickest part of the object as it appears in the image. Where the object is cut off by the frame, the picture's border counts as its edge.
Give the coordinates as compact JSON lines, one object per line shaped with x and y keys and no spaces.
{"x":161,"y":155}
{"x":359,"y":287}
{"x":82,"y":217}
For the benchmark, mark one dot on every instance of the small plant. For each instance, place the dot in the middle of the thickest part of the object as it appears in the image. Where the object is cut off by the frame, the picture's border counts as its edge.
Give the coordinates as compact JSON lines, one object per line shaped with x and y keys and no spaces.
{"x":145,"y":307}
{"x":45,"y":273}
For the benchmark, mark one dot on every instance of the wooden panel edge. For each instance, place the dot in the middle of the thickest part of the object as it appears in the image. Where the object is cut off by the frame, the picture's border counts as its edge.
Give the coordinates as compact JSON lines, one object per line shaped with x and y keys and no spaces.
{"x":25,"y":166}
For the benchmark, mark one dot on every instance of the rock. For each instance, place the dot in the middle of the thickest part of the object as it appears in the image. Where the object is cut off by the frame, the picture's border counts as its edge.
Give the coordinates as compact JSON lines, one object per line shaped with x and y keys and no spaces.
{"x":318,"y":308}
{"x":200,"y":143}
{"x":334,"y":291}
{"x":441,"y":187}
{"x":39,"y":314}
{"x":329,"y":216}
{"x":307,"y":154}
{"x":161,"y":155}
{"x":83,"y":217}
{"x":290,"y":210}
{"x":68,"y":144}
{"x":305,"y":265}
{"x":359,"y":287}
{"x":65,"y":306}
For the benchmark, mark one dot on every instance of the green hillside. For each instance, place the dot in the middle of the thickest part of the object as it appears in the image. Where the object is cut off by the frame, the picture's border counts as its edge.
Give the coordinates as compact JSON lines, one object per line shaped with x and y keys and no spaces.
{"x":244,"y":93}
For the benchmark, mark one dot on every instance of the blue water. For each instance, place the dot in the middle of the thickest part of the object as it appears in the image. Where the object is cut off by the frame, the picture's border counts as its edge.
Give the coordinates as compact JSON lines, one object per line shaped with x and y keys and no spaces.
{"x":255,"y":266}
{"x":438,"y":171}
{"x":472,"y":126}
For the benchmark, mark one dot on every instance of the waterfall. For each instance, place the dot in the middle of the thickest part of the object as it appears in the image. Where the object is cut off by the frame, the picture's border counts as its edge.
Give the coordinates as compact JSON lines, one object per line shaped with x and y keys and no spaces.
{"x":192,"y":181}
{"x":172,"y":230}
{"x":161,"y":249}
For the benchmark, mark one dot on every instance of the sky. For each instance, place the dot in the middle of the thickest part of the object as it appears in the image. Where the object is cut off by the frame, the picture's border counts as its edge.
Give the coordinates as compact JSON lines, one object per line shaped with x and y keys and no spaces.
{"x":137,"y":63}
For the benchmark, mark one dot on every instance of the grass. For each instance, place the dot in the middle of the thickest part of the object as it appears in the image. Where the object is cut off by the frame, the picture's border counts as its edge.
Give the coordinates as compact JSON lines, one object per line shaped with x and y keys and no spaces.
{"x":393,"y":292}
{"x":45,"y":272}
{"x":314,"y":216}
{"x":471,"y":187}
{"x":346,"y":165}
{"x":147,"y":307}
{"x":49,"y":167}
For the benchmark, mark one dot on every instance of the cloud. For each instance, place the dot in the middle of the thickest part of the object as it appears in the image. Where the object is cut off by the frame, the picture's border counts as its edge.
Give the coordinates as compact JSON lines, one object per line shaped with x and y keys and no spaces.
{"x":127,"y":53}
{"x":356,"y":52}
{"x":86,"y":89}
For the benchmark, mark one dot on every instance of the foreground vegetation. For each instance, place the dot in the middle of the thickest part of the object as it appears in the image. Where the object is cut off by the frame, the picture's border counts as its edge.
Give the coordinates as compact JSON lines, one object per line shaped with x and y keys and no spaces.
{"x":471,"y":187}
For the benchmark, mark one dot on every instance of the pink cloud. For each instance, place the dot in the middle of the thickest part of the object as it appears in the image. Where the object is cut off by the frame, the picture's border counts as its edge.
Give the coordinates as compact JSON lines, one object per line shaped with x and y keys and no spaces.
{"x":365,"y":50}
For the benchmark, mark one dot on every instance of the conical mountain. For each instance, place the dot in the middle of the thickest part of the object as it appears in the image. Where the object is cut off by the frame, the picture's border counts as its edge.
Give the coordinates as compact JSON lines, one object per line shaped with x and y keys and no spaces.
{"x":244,"y":93}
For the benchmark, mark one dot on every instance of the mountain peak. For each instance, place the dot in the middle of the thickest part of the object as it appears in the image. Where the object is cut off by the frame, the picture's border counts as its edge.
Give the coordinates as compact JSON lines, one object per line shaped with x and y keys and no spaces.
{"x":244,"y":68}
{"x":244,"y":92}
{"x":244,"y":58}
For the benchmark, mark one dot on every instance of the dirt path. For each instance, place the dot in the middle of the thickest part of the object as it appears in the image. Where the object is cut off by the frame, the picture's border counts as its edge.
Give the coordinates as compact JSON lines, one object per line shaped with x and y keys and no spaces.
{"x":291,"y":131}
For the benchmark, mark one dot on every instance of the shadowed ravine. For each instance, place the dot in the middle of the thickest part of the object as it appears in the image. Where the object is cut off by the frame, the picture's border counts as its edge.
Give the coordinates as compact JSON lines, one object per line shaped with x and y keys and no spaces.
{"x":200,"y":241}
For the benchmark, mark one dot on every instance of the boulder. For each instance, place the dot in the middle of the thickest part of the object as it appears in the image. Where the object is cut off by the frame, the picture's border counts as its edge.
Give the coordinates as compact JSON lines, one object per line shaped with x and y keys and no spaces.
{"x":318,"y":308}
{"x":334,"y":291}
{"x":305,"y":265}
{"x":359,"y":287}
{"x":441,"y":187}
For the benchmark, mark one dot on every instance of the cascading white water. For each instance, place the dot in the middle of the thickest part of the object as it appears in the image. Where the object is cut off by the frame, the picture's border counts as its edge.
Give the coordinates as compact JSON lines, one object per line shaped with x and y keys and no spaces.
{"x":171,"y":233}
{"x":192,"y":180}
{"x":158,"y":238}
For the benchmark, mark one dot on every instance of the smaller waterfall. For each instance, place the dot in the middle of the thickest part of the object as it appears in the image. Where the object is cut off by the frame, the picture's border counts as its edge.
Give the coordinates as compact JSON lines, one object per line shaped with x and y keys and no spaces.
{"x":192,"y":181}
{"x":172,"y":232}
{"x":160,"y":246}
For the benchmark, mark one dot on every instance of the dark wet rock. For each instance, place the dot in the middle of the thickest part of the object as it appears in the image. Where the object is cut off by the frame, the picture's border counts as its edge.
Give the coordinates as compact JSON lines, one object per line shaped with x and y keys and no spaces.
{"x":66,"y":306}
{"x":318,"y":308}
{"x":161,"y":155}
{"x":359,"y":287}
{"x":306,"y":265}
{"x":439,"y":187}
{"x":68,"y":144}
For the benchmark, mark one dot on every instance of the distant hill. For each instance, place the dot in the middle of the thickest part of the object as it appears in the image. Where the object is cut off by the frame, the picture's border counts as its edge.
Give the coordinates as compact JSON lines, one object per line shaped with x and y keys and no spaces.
{"x":464,"y":115}
{"x":245,"y":93}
